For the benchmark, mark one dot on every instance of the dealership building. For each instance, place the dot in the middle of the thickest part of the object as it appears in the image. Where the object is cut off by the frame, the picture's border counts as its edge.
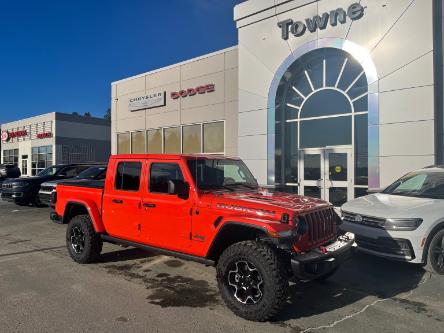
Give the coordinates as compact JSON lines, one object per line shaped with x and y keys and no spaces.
{"x":325,"y":98}
{"x":54,"y":138}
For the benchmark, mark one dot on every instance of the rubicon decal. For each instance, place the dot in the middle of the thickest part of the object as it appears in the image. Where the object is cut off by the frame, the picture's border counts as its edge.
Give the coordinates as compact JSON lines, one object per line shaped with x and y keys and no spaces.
{"x":246,"y":209}
{"x":193,"y":91}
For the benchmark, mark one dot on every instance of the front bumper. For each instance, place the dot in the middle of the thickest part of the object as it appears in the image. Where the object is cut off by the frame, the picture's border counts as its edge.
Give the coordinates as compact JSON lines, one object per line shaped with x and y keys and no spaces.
{"x":319,"y":262}
{"x":396,"y":245}
{"x":12,"y":196}
{"x":45,"y":198}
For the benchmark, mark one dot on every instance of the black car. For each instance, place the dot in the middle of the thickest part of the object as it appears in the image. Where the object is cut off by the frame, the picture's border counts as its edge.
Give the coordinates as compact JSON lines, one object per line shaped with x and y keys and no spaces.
{"x":24,"y":191}
{"x":8,"y":171}
{"x":48,"y":189}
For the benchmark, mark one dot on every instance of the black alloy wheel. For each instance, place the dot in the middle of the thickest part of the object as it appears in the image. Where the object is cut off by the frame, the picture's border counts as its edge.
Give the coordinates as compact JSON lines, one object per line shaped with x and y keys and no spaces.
{"x":246,"y":282}
{"x":77,"y":240}
{"x":436,"y":253}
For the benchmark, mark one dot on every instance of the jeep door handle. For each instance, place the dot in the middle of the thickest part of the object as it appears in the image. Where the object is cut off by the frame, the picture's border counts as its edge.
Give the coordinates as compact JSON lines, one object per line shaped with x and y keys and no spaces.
{"x":149,"y":205}
{"x":118,"y":201}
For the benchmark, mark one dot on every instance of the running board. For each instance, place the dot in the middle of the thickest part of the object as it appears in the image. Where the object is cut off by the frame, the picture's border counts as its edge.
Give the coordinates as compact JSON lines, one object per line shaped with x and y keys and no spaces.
{"x":145,"y":247}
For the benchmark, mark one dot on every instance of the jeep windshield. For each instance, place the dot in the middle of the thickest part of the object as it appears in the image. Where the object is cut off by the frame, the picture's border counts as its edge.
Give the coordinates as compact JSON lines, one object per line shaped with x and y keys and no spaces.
{"x":420,"y":184}
{"x":217,"y":174}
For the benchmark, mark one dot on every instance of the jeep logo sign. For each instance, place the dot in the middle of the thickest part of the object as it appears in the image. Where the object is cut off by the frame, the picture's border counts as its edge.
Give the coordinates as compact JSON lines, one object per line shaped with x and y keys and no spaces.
{"x":298,"y":28}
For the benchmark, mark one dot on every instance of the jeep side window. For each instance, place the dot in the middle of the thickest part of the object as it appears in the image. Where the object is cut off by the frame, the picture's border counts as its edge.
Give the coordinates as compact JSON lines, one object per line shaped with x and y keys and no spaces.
{"x":161,"y":173}
{"x":128,"y":176}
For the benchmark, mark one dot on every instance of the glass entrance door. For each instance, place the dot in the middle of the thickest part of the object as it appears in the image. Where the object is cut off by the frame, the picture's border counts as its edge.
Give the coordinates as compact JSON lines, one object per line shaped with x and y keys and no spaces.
{"x":327,"y":174}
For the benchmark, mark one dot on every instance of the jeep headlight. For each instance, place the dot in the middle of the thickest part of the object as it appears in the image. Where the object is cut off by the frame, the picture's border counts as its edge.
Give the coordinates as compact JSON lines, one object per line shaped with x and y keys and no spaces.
{"x":402,"y":224}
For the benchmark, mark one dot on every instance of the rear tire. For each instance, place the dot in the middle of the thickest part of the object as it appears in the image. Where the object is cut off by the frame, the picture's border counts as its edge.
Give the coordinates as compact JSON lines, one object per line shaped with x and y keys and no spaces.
{"x":83,"y":243}
{"x":252,"y":280}
{"x":435,"y":255}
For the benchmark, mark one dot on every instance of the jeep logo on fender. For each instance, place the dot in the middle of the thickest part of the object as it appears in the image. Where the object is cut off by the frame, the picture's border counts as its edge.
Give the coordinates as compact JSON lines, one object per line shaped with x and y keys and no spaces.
{"x":193,"y":91}
{"x":298,"y":28}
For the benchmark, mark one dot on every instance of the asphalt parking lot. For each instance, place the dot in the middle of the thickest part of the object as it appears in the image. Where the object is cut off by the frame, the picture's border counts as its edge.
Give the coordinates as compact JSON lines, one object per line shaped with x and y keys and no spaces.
{"x":42,"y":290}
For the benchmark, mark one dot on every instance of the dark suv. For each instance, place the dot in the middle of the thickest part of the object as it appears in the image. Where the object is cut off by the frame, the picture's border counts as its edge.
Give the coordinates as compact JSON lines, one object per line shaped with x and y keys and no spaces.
{"x":8,"y":171}
{"x":24,"y":191}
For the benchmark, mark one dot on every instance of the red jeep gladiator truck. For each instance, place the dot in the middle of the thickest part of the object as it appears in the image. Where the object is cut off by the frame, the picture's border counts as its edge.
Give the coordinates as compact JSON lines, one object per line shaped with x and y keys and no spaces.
{"x":209,"y":209}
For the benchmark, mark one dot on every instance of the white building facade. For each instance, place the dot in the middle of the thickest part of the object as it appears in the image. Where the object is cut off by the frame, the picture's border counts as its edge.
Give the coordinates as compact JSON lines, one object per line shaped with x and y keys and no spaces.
{"x":324,"y":98}
{"x":36,"y":143}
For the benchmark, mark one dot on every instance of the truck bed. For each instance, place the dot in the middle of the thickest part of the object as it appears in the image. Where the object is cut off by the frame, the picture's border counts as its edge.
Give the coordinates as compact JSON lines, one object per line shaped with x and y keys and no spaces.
{"x":85,"y":183}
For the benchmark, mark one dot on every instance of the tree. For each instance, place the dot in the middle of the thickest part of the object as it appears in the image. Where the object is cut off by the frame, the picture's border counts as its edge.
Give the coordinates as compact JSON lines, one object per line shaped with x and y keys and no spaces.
{"x":75,"y":114}
{"x":107,"y":115}
{"x":87,"y":114}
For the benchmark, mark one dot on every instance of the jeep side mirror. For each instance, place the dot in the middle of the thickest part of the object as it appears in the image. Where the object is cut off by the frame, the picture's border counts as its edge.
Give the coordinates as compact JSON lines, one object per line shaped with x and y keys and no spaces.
{"x":179,"y":188}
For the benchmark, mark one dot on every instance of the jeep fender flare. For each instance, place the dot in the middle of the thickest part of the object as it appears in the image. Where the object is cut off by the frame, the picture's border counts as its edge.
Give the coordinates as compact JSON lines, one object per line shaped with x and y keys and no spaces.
{"x":241,"y":226}
{"x":90,"y":207}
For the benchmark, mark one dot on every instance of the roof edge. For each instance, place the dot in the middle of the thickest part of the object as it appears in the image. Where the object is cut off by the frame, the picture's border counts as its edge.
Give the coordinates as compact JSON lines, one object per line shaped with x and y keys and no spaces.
{"x":228,"y":49}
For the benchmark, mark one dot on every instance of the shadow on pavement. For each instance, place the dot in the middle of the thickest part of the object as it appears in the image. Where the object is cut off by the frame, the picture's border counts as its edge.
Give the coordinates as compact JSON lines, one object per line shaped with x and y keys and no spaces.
{"x":125,"y":255}
{"x":361,"y":276}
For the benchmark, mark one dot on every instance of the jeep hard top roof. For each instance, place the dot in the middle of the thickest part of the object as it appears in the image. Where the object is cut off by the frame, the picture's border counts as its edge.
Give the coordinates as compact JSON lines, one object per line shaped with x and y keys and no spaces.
{"x":172,"y":156}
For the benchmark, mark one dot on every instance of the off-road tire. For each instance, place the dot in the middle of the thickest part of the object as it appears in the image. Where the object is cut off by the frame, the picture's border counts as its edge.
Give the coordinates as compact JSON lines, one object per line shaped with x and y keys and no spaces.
{"x":92,"y":242}
{"x":274,"y":276}
{"x":436,"y":242}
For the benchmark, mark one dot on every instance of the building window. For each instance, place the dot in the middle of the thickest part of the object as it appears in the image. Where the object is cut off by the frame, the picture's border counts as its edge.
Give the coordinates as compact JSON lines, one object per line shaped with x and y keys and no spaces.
{"x":154,"y":141}
{"x":10,"y":156}
{"x":208,"y":138}
{"x":214,"y":137}
{"x":41,"y":159}
{"x":192,"y":139}
{"x":172,"y":140}
{"x":138,"y":142}
{"x":24,"y":167}
{"x":123,"y":143}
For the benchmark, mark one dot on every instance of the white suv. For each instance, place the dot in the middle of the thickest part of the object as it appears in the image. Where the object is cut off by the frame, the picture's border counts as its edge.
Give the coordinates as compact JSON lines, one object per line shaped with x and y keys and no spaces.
{"x":404,"y":222}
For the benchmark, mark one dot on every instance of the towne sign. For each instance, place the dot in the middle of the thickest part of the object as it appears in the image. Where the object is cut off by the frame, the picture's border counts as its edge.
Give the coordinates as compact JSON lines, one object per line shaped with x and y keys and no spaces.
{"x":298,"y":28}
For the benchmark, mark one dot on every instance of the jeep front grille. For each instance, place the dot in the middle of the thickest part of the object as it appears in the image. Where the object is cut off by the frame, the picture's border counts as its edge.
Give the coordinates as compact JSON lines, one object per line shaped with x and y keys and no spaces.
{"x":47,"y":188}
{"x":6,"y":186}
{"x":321,"y":225}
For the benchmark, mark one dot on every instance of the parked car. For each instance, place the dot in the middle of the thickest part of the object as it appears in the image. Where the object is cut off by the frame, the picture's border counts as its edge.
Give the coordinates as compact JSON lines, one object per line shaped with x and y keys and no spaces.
{"x":8,"y":171}
{"x":48,"y":189}
{"x":24,"y":191}
{"x":404,"y":222}
{"x":209,"y":209}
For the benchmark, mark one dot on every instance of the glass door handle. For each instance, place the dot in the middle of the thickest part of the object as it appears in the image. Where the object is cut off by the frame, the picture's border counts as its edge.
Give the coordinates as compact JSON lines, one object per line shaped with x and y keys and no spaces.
{"x":319,"y":183}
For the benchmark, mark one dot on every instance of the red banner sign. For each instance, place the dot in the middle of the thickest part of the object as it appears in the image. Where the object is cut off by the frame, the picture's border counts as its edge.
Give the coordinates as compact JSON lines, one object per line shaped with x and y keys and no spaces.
{"x":44,"y":135}
{"x":193,"y":91}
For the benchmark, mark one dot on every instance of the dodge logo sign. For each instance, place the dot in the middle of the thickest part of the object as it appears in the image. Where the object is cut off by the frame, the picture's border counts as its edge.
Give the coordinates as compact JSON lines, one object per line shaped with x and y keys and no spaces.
{"x":5,"y":136}
{"x":193,"y":91}
{"x":358,"y":219}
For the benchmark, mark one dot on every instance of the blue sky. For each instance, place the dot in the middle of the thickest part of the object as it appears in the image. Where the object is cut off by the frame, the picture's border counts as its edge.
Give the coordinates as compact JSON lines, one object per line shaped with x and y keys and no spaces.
{"x":58,"y":55}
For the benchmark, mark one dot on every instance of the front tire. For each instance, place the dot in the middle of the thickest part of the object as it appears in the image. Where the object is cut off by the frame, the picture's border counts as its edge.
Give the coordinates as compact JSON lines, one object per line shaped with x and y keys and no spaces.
{"x":83,"y":243}
{"x":252,"y":280}
{"x":435,"y":255}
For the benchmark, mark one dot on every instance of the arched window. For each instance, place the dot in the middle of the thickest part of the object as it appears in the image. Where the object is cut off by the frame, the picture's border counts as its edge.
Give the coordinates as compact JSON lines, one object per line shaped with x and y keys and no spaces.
{"x":321,"y":101}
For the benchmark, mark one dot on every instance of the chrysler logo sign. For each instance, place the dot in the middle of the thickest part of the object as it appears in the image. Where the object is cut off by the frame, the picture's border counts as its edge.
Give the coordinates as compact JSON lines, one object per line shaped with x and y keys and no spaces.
{"x":298,"y":28}
{"x":148,"y":101}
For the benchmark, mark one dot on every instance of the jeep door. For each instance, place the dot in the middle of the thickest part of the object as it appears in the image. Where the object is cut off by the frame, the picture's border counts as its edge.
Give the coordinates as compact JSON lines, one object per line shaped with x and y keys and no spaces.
{"x":166,"y":218}
{"x":122,"y":199}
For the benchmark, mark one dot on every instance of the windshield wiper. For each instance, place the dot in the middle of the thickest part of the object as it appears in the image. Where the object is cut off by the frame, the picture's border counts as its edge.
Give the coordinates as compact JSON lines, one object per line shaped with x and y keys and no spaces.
{"x":249,"y":186}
